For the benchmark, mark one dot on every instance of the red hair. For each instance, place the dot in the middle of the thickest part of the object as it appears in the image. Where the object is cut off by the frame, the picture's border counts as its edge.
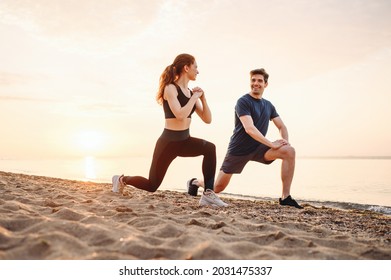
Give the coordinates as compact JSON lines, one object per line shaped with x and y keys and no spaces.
{"x":172,"y":73}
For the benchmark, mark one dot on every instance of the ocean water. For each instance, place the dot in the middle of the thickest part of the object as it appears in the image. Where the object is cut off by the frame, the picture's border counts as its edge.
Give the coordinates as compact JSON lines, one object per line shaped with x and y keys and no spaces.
{"x":362,"y":183}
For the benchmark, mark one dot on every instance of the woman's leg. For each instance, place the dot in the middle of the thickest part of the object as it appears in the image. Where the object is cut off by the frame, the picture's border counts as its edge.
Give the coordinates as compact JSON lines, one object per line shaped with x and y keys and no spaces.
{"x":193,"y":147}
{"x":163,"y":155}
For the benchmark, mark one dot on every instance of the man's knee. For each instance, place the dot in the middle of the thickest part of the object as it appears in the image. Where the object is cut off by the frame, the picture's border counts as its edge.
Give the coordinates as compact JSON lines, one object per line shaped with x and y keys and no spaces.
{"x":289,"y":152}
{"x":222,"y":182}
{"x":219,"y":188}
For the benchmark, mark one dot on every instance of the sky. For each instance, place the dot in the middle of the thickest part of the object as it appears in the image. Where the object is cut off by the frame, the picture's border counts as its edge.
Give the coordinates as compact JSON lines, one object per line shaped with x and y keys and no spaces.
{"x":79,"y":78}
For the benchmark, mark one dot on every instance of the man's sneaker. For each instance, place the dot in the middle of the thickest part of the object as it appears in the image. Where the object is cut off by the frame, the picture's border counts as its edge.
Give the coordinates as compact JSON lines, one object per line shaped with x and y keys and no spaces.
{"x":118,"y":187}
{"x":192,"y":189}
{"x":289,"y":201}
{"x":209,"y":198}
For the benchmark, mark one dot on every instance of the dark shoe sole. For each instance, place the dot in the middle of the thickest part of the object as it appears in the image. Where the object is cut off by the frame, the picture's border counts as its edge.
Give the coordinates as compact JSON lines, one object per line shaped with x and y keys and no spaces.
{"x":289,"y":201}
{"x":192,"y":189}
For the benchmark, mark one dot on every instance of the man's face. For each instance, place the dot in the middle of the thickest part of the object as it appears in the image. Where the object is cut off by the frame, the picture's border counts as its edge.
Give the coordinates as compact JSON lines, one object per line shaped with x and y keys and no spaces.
{"x":257,"y":84}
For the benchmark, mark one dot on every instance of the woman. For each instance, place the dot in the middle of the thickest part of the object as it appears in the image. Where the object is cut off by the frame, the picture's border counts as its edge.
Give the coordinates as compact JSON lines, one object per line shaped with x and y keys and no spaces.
{"x":179,"y":103}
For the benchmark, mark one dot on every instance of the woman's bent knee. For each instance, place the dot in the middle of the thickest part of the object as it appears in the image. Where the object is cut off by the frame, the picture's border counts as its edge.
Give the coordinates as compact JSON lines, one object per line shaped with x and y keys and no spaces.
{"x":210,"y":146}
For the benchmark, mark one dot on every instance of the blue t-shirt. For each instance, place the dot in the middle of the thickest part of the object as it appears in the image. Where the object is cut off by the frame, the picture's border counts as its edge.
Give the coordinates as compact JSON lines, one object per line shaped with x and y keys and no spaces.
{"x":261,"y":111}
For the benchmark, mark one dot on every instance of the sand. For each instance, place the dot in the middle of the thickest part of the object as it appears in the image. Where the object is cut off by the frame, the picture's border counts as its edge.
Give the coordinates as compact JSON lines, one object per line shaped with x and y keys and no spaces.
{"x":54,"y":219}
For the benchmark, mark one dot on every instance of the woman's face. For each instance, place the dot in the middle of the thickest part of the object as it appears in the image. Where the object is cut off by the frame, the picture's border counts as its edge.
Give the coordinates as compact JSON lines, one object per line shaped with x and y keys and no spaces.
{"x":192,"y":71}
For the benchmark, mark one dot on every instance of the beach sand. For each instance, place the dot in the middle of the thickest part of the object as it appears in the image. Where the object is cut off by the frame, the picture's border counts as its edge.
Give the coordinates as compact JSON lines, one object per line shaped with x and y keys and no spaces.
{"x":54,"y":219}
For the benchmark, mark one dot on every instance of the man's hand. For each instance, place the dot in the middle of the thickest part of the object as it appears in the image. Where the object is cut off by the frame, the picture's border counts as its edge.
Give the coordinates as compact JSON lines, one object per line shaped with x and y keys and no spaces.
{"x":279,"y":143}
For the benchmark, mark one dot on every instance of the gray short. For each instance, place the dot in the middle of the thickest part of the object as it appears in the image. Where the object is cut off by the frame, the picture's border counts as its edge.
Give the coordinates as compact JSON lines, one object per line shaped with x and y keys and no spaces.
{"x":235,"y":164}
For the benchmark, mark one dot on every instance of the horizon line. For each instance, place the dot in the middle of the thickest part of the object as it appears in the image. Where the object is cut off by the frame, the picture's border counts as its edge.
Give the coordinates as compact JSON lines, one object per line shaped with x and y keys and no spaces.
{"x":138,"y":156}
{"x":344,"y":157}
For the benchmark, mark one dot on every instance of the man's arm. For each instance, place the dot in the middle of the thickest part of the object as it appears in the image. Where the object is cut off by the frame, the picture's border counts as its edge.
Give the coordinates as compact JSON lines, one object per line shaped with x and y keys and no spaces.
{"x":281,"y":127}
{"x":251,"y":130}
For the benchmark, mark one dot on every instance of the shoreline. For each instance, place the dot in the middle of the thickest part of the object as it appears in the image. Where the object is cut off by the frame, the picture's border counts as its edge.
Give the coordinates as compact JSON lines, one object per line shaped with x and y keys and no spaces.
{"x":48,"y":218}
{"x":310,"y":184}
{"x":341,"y":205}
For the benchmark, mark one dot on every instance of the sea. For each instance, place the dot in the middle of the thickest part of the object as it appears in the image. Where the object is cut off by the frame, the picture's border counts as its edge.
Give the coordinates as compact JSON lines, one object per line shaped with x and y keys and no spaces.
{"x":342,"y":182}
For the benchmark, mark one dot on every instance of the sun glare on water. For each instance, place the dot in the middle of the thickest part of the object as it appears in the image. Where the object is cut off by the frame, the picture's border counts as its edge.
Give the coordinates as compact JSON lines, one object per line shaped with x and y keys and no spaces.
{"x":90,"y":144}
{"x":89,"y":168}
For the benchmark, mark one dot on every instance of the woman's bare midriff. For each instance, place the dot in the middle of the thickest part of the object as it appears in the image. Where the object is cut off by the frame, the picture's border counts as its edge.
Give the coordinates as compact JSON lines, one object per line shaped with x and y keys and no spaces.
{"x":175,"y":124}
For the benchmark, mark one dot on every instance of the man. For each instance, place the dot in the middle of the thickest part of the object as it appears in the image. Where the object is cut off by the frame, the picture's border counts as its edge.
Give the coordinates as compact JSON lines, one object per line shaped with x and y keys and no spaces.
{"x":248,"y":142}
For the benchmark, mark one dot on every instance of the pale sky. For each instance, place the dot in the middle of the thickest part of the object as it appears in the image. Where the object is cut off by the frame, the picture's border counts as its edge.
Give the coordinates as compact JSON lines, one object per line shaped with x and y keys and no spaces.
{"x":79,"y":78}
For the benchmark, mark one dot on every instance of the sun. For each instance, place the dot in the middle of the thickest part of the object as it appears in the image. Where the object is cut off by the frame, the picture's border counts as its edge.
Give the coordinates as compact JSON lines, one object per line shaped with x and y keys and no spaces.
{"x":90,"y":142}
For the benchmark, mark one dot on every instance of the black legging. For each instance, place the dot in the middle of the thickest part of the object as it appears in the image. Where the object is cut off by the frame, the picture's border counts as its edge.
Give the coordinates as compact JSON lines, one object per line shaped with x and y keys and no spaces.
{"x":170,"y":145}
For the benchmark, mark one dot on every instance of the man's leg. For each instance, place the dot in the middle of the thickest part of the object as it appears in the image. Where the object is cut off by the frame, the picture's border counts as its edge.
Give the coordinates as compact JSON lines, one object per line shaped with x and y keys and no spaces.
{"x":231,"y":165}
{"x":288,"y":155}
{"x":222,"y":181}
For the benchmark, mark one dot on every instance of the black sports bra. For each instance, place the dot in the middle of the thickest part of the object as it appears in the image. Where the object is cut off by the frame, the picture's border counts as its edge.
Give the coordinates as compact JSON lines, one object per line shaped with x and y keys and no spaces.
{"x":182,"y":98}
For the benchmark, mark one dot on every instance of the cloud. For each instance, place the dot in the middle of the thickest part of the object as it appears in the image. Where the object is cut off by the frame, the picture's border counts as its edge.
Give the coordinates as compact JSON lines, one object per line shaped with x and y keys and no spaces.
{"x":104,"y":107}
{"x":23,"y":98}
{"x":7,"y":79}
{"x":98,"y":25}
{"x":104,"y":27}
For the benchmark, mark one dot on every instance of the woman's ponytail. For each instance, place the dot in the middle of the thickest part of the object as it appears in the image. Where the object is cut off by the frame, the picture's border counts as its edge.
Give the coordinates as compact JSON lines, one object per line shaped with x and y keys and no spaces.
{"x":172,"y":72}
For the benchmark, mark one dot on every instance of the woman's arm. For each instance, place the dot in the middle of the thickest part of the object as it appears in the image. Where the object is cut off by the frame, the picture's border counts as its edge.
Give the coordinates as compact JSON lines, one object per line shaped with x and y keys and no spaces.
{"x":171,"y":95}
{"x":202,"y":108}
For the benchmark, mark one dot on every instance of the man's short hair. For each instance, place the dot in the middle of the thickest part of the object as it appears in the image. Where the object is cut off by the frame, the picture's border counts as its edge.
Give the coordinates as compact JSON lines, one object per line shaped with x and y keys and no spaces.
{"x":260,"y":71}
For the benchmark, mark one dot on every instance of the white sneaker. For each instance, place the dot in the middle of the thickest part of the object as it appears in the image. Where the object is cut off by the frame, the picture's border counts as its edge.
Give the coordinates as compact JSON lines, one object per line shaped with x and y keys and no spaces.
{"x":209,"y":198}
{"x":118,"y":187}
